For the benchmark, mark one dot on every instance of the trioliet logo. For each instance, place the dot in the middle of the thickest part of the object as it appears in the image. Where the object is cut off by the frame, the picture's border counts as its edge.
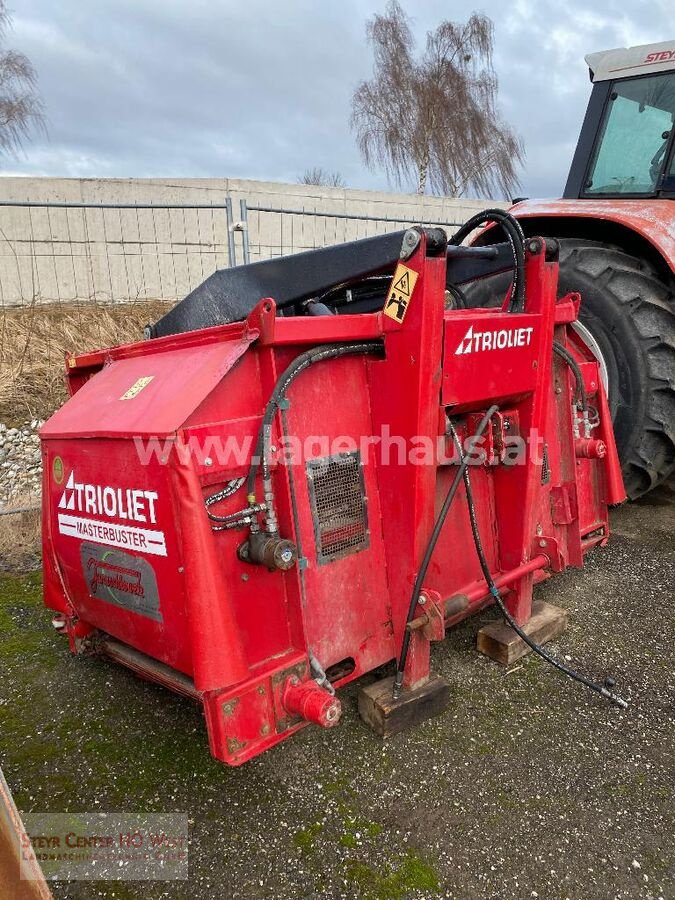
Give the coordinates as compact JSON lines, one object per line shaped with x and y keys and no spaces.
{"x":117,"y":503}
{"x":503,"y":339}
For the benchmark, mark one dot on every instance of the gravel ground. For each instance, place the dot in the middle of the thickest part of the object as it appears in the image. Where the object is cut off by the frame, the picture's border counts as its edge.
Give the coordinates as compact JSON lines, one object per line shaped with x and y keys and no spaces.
{"x":20,"y":463}
{"x":528,"y":786}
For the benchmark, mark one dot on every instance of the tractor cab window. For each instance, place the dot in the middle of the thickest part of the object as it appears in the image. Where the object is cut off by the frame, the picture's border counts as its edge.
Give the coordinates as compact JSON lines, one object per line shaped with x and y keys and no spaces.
{"x":634,"y":137}
{"x":669,"y":177}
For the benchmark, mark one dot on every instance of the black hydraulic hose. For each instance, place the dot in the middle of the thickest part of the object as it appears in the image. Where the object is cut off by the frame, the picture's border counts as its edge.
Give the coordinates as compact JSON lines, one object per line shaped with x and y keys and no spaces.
{"x":494,"y":591}
{"x":514,"y":234}
{"x":458,"y":296}
{"x":565,"y":354}
{"x":299,"y":364}
{"x":235,"y":519}
{"x":421,"y":575}
{"x":230,"y":488}
{"x":236,"y":515}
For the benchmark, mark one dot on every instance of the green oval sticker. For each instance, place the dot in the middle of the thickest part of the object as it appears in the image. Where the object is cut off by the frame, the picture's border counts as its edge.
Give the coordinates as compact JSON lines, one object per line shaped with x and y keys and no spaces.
{"x":57,"y":469}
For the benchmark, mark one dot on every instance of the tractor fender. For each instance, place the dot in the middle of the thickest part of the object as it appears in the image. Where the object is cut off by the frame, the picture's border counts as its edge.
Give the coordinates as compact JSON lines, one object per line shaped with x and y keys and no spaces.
{"x":645,"y":228}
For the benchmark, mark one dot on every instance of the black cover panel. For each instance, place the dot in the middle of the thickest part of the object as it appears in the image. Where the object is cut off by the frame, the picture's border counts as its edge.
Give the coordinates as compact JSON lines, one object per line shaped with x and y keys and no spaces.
{"x":469,"y":263}
{"x":229,"y":295}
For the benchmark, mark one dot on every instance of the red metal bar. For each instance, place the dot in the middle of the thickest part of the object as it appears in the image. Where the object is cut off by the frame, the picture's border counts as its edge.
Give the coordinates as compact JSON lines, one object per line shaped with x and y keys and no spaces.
{"x":616,"y":493}
{"x":327,"y":329}
{"x":149,"y":668}
{"x":506,"y":578}
{"x":480,"y":591}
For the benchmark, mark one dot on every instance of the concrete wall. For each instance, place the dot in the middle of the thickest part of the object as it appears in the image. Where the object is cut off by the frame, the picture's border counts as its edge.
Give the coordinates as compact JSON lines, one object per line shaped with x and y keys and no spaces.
{"x":56,"y":254}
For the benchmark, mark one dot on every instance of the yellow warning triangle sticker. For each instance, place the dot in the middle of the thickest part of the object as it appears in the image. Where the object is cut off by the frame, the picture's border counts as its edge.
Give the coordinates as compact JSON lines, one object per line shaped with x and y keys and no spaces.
{"x":403,"y":284}
{"x":400,"y":293}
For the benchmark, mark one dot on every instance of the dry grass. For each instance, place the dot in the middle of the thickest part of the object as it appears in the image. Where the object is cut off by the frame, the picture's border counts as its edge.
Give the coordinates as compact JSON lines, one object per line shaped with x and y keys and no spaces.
{"x":20,"y":537}
{"x":35,"y":339}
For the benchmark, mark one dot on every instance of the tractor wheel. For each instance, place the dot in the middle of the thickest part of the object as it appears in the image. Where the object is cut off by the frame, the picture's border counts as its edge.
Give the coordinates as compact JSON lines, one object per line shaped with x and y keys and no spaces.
{"x":630,"y":314}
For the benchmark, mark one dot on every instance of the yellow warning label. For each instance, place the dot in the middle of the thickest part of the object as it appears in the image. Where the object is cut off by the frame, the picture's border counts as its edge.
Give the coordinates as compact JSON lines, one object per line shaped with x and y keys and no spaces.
{"x":400,"y":293}
{"x":137,"y":387}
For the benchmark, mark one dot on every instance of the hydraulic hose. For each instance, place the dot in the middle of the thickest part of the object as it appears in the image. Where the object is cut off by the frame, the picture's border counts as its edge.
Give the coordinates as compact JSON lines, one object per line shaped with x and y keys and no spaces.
{"x":603,"y":690}
{"x":299,"y":364}
{"x":230,"y":488}
{"x":565,"y":355}
{"x":237,"y":519}
{"x":514,"y":234}
{"x":421,"y":575}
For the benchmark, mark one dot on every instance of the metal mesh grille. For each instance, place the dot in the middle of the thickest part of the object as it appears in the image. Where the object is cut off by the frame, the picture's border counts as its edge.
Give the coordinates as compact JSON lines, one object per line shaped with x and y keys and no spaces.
{"x":545,"y":467}
{"x":338,"y":500}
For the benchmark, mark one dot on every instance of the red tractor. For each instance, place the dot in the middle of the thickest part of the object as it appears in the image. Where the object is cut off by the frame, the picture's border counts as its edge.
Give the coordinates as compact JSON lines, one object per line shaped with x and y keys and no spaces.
{"x":616,"y":230}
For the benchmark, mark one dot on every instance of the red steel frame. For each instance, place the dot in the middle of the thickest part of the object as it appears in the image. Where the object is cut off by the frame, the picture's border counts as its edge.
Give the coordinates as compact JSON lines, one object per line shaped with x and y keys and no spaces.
{"x":238,"y":637}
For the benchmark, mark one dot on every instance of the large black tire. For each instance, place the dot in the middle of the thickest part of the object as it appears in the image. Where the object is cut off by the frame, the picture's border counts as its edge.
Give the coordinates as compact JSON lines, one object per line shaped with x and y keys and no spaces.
{"x":630,"y":312}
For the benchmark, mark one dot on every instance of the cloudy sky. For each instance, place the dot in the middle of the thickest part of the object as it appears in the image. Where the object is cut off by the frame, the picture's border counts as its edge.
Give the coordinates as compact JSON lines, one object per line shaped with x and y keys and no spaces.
{"x":253,"y":89}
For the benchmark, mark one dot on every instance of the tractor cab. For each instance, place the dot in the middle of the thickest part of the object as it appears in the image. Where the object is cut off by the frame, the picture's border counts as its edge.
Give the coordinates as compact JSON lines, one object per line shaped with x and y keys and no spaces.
{"x":616,"y":234}
{"x":627,"y":142}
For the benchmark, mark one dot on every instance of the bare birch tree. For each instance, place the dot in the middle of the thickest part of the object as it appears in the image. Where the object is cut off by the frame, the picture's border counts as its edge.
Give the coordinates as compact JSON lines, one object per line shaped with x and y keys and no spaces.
{"x":435,"y":119}
{"x":21,"y":109}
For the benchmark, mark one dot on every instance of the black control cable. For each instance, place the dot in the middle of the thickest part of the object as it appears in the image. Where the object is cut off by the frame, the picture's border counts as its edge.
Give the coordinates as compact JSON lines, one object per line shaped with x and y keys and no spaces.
{"x":300,"y":363}
{"x":565,"y":355}
{"x":421,"y":575}
{"x":230,"y":488}
{"x":603,"y":690}
{"x":514,"y":234}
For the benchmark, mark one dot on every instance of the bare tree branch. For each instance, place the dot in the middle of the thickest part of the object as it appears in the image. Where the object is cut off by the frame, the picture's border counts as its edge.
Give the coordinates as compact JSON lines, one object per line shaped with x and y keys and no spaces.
{"x":434,"y":119}
{"x":21,"y":109}
{"x":320,"y":176}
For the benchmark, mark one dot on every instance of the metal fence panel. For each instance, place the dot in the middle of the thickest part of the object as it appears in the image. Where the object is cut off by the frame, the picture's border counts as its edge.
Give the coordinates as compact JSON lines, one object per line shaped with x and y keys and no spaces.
{"x":77,"y":252}
{"x":61,"y":252}
{"x":269,"y":231}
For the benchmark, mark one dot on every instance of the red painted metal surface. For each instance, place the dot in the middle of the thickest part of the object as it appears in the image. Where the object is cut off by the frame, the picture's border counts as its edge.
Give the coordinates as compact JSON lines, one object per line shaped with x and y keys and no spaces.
{"x":311,"y":703}
{"x":152,"y":429}
{"x":653,"y":220}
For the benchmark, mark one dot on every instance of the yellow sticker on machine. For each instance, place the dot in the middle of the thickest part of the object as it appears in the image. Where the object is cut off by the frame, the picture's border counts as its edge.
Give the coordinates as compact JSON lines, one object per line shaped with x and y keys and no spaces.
{"x":137,"y":387}
{"x":400,"y":293}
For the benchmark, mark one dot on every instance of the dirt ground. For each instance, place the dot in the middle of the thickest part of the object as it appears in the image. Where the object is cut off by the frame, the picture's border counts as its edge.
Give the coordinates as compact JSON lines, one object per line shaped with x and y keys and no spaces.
{"x":528,"y":786}
{"x":34,"y":341}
